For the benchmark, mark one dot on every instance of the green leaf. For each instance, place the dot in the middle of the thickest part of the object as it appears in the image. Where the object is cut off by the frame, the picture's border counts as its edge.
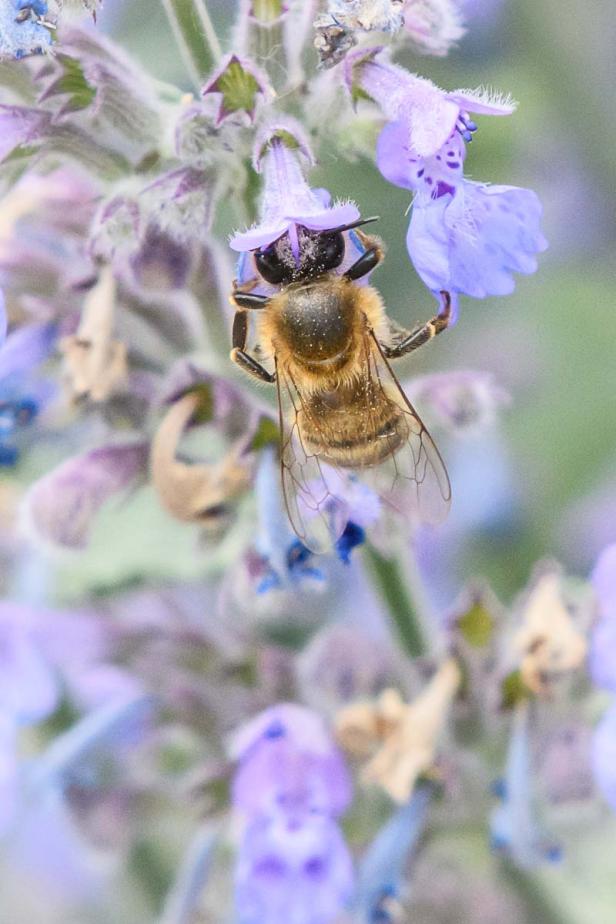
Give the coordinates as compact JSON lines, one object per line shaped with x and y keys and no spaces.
{"x":477,"y":625}
{"x":513,"y":690}
{"x":266,"y":434}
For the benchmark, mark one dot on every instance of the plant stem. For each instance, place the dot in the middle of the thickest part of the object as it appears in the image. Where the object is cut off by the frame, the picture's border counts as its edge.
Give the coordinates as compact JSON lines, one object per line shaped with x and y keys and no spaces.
{"x":195,"y":36}
{"x":393,"y":589}
{"x":538,"y":904}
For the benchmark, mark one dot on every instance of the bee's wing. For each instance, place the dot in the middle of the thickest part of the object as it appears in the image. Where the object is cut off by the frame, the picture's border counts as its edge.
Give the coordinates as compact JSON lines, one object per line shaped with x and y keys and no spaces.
{"x":311,"y":488}
{"x":413,"y":478}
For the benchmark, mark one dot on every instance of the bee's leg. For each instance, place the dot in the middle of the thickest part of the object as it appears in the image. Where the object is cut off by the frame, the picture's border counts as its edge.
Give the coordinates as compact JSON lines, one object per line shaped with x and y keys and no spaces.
{"x":364,"y":264}
{"x":239,"y":355}
{"x":249,"y":300}
{"x":417,"y":338}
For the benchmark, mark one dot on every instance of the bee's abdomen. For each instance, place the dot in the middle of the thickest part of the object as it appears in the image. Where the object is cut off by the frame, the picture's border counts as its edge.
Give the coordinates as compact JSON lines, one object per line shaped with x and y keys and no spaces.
{"x":352,"y":435}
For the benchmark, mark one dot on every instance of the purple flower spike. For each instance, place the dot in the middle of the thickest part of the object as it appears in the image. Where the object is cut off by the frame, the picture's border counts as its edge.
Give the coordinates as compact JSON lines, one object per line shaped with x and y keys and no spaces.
{"x":293,"y":873}
{"x":288,"y":762}
{"x":288,"y":201}
{"x":470,"y":239}
{"x":239,"y":83}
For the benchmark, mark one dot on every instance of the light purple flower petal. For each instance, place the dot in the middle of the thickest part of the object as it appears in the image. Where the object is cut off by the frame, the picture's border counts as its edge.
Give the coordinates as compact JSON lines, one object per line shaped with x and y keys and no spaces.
{"x":472,"y":241}
{"x":3,"y":320}
{"x":483,"y":102}
{"x":293,"y":873}
{"x":435,"y":175}
{"x":28,"y":685}
{"x":602,"y":657}
{"x":604,"y":756}
{"x":287,"y":760}
{"x":9,"y":773}
{"x":25,"y":348}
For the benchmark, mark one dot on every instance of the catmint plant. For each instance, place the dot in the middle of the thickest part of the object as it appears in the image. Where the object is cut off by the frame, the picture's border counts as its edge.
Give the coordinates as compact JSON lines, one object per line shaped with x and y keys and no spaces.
{"x":244,"y":725}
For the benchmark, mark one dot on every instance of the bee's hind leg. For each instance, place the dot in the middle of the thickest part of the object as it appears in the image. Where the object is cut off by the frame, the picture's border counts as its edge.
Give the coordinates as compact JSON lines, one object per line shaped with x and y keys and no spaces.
{"x":239,"y":355}
{"x":417,"y":338}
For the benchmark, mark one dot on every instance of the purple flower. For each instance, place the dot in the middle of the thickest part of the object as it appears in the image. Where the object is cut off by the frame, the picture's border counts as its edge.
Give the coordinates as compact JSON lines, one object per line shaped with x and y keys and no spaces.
{"x":471,"y":239}
{"x":463,"y":237}
{"x":293,"y":872}
{"x":288,"y":762}
{"x":604,"y":756}
{"x":288,"y":203}
{"x":603,"y":637}
{"x":3,"y":320}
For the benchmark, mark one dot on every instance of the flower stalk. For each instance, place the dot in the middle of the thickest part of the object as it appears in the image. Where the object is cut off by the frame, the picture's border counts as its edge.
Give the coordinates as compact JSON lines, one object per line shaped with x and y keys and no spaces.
{"x":195,"y":36}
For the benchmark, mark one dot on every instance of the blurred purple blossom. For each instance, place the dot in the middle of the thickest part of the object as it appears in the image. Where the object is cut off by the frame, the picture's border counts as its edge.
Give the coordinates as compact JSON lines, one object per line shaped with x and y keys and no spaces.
{"x":604,"y":756}
{"x":60,"y":507}
{"x":433,"y":25}
{"x":291,"y":872}
{"x":603,"y":636}
{"x":288,"y":762}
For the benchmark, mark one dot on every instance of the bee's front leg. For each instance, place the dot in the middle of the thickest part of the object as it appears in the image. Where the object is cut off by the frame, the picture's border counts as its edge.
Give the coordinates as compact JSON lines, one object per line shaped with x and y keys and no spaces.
{"x":417,"y":338}
{"x":239,"y":355}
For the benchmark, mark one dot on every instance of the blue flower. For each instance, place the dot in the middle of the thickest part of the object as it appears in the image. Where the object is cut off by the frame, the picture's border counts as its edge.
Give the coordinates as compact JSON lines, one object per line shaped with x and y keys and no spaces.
{"x":21,"y":30}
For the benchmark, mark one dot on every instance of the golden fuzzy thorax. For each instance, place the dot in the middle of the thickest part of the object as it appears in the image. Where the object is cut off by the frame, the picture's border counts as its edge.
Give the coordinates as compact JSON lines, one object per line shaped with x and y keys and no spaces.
{"x":328,"y":351}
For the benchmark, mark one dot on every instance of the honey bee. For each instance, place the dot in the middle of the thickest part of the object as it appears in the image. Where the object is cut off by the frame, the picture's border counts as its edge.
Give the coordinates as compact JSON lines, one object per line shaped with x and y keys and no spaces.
{"x":343,"y":413}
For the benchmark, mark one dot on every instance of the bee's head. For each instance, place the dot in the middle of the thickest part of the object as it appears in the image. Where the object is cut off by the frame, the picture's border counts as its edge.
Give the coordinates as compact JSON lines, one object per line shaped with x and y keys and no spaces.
{"x":317,"y":252}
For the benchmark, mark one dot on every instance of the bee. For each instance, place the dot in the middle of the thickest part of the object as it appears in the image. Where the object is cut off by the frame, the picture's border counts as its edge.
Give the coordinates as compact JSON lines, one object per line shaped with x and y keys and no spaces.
{"x":343,"y":413}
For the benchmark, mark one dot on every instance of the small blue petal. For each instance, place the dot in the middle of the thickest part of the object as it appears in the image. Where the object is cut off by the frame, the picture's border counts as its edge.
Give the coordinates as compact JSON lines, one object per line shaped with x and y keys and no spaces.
{"x":8,"y":456}
{"x":352,"y":536}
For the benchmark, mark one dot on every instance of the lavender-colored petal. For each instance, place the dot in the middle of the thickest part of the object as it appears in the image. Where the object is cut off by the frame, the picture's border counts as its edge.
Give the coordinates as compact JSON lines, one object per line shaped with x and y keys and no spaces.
{"x":3,"y":321}
{"x":286,"y":758}
{"x":293,"y":872}
{"x":25,"y":348}
{"x":483,"y":102}
{"x":435,"y":176}
{"x":62,"y":505}
{"x":603,"y":580}
{"x":604,"y":756}
{"x":471,"y":242}
{"x":28,"y":686}
{"x":9,"y":773}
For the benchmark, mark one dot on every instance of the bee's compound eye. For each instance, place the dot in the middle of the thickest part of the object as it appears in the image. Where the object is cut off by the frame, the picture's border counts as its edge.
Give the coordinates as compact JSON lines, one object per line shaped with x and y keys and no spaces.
{"x":270,"y":266}
{"x":331,"y":251}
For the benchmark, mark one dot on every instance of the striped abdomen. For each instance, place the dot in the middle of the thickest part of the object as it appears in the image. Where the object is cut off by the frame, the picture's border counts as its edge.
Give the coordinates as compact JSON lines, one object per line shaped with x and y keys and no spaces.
{"x":356,"y":425}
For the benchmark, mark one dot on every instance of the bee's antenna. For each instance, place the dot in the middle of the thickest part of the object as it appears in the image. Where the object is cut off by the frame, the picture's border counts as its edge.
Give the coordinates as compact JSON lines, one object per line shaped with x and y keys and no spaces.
{"x":353,"y":224}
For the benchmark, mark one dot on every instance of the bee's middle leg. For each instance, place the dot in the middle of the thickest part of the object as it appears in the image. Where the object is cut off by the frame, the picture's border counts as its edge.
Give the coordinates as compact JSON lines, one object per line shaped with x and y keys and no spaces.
{"x":239,"y":355}
{"x":417,"y":338}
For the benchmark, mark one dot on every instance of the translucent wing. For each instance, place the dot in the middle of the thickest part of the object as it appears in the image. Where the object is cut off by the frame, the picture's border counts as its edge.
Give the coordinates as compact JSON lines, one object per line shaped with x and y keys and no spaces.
{"x":313,"y":490}
{"x":412,"y":477}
